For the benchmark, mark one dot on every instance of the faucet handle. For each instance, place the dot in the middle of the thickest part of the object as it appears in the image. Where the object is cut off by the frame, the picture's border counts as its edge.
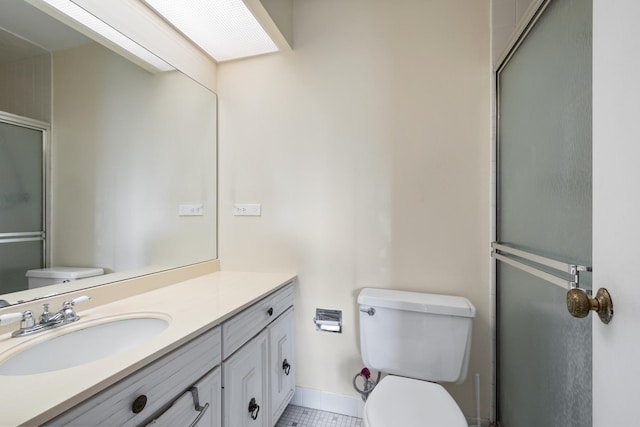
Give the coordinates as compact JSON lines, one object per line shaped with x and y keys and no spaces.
{"x":76,"y":301}
{"x":26,"y":316}
{"x":9,"y":318}
{"x":67,"y":308}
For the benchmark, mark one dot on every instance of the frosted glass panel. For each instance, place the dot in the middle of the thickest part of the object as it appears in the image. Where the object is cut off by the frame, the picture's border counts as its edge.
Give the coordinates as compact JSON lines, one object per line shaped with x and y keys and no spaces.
{"x":544,"y":206}
{"x":20,"y":179}
{"x":545,"y":355}
{"x":15,"y":260}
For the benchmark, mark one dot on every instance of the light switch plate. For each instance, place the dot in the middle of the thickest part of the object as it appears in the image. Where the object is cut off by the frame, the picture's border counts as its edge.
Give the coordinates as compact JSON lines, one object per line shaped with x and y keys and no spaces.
{"x":247,"y":209}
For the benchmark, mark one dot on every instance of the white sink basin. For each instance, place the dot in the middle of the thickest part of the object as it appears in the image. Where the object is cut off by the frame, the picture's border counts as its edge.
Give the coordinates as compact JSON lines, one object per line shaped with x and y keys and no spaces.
{"x":77,"y":347}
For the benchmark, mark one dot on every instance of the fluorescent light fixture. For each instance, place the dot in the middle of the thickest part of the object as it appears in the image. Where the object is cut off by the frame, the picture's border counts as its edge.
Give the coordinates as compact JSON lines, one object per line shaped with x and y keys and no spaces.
{"x":224,"y":29}
{"x":89,"y":21}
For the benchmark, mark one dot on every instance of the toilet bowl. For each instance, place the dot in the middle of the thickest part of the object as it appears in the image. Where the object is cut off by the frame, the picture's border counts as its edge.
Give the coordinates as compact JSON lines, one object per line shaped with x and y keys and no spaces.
{"x":398,"y":401}
{"x":418,"y":339}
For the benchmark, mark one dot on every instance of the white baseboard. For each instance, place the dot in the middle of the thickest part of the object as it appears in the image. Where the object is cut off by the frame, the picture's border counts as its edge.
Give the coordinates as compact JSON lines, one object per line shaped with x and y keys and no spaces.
{"x":330,"y":402}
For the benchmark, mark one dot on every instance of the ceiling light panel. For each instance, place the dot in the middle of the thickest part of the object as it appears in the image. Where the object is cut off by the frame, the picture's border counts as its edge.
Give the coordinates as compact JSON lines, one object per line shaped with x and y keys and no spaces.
{"x":225,"y":29}
{"x":94,"y":24}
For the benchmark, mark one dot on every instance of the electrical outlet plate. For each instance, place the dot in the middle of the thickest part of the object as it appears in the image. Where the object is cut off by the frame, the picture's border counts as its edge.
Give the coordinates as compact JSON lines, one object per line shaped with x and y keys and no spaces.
{"x":191,"y":209}
{"x":247,"y":209}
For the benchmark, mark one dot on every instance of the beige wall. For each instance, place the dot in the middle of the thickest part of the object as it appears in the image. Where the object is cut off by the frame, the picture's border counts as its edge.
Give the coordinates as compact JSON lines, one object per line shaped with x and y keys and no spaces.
{"x":25,"y":87}
{"x":127,"y":148}
{"x":367,"y":146}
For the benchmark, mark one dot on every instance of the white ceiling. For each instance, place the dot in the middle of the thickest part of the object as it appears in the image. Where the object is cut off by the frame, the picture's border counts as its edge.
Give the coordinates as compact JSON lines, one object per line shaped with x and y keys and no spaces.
{"x":24,"y":23}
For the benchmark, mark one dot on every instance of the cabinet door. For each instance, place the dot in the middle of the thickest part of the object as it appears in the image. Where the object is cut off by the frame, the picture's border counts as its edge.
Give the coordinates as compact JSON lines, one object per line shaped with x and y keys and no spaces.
{"x":281,"y":363}
{"x":244,"y":381}
{"x":198,"y":406}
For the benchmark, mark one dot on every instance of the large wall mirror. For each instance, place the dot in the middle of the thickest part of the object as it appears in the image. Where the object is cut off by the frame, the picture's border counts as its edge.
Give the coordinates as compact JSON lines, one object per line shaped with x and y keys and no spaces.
{"x":126,"y":173}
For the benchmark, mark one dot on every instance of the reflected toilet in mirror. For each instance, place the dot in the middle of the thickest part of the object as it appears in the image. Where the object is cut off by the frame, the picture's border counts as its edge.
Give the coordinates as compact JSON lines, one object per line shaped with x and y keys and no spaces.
{"x":40,"y":277}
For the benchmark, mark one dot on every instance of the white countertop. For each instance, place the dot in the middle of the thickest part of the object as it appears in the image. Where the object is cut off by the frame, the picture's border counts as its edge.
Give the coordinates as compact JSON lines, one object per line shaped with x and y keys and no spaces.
{"x":193,"y":306}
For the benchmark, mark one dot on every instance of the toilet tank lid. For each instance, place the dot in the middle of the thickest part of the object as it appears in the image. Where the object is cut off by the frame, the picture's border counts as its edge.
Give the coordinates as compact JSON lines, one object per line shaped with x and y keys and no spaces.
{"x":65,"y":272}
{"x":417,"y":301}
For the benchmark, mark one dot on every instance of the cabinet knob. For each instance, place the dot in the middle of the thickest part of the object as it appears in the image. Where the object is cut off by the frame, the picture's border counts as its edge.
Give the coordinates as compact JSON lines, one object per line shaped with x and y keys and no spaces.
{"x":270,"y":311}
{"x":254,"y":408}
{"x":139,"y":404}
{"x":286,"y":366}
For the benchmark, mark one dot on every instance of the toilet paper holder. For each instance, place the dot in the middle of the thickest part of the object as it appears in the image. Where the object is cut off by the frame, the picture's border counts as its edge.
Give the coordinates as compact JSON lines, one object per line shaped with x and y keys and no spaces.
{"x":328,"y":320}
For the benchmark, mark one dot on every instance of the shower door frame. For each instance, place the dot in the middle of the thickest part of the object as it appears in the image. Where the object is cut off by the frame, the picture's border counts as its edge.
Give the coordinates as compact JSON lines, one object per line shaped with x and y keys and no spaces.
{"x":615,"y":239}
{"x":45,"y":128}
{"x":532,"y":15}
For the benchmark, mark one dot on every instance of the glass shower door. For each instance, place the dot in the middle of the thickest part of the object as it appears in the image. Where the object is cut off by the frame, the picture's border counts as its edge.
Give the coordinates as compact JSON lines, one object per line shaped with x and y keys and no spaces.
{"x":544,"y":208}
{"x":21,"y":203}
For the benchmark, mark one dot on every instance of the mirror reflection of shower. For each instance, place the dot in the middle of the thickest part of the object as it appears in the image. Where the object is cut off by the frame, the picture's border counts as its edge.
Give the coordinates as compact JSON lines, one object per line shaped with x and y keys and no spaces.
{"x":12,"y":190}
{"x":22,"y":206}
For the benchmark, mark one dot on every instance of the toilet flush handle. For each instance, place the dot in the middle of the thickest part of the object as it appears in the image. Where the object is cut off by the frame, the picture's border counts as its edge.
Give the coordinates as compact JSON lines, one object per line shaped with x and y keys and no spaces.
{"x":370,"y":311}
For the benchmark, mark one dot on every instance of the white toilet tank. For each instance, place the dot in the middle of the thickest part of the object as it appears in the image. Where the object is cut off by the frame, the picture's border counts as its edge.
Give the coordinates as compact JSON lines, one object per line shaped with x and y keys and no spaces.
{"x":52,"y":275}
{"x":416,"y":335}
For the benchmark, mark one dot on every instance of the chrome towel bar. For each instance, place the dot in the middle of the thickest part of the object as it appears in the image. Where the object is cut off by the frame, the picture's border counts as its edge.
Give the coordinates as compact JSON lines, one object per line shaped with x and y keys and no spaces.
{"x":557,"y":265}
{"x":28,"y":236}
{"x":563,"y":283}
{"x":578,"y":300}
{"x":501,"y":251}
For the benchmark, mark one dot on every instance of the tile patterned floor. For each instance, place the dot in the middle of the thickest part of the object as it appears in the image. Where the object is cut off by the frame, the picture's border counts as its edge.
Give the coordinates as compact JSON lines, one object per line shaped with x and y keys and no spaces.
{"x":298,"y":416}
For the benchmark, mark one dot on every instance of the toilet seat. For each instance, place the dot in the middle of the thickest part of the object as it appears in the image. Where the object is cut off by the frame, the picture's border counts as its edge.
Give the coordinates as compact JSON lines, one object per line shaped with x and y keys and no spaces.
{"x":398,"y":401}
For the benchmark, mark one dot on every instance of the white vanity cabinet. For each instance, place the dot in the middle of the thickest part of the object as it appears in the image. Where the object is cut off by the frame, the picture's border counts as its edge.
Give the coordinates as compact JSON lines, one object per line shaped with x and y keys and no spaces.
{"x":238,"y":374}
{"x":256,"y":386}
{"x":150,"y":392}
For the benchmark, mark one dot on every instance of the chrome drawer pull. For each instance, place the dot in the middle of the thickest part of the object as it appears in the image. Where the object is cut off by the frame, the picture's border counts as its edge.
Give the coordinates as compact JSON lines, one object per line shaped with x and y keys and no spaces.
{"x":200,"y":415}
{"x":196,"y":404}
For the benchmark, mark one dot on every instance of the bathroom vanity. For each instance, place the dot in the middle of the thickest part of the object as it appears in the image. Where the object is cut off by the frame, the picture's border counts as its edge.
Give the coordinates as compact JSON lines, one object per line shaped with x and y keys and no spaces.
{"x":225,"y":359}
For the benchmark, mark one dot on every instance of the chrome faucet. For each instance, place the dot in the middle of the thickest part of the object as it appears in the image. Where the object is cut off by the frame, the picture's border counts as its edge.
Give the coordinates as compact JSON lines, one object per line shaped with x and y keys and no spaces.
{"x":47,"y":321}
{"x":48,"y":317}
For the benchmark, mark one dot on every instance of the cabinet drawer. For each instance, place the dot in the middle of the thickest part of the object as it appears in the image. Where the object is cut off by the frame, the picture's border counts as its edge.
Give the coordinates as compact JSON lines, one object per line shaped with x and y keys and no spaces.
{"x":161,"y":382}
{"x":245,"y":325}
{"x":200,"y":405}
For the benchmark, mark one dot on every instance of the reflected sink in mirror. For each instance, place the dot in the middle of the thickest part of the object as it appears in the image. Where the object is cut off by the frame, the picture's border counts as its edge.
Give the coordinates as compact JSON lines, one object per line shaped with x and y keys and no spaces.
{"x":96,"y":340}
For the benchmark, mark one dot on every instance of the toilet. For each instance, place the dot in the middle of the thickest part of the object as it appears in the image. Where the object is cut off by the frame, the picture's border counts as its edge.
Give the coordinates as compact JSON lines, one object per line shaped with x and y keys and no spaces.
{"x":419,"y":340}
{"x":40,"y":277}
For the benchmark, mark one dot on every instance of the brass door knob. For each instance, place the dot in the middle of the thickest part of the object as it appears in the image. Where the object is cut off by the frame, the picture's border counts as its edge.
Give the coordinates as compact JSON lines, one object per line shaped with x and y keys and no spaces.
{"x":579,"y":304}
